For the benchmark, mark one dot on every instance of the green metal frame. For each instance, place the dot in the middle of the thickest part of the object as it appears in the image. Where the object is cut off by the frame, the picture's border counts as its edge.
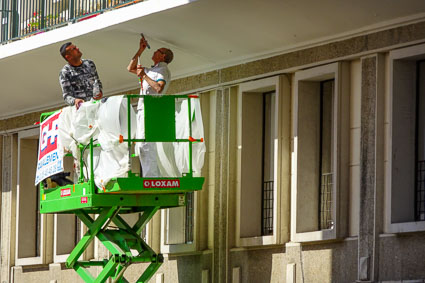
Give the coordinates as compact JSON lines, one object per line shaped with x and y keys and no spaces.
{"x":124,"y":195}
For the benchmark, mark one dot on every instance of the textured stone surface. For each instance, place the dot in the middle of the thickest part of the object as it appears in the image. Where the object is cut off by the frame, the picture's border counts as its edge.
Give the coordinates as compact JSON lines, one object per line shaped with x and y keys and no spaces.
{"x":262,"y":265}
{"x":194,"y":82}
{"x":367,"y":164}
{"x":321,"y":263}
{"x":220,"y":247}
{"x":181,"y":269}
{"x":45,"y":274}
{"x":402,"y":257}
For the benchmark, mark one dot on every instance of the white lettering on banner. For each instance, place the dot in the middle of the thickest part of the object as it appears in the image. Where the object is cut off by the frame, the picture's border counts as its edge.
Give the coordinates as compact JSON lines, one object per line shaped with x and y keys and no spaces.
{"x":65,"y":193}
{"x":49,"y":133}
{"x":161,"y":184}
{"x":50,"y":155}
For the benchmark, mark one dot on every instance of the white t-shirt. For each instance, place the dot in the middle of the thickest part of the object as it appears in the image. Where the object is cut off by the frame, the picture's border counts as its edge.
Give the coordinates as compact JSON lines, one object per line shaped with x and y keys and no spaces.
{"x":159,"y":72}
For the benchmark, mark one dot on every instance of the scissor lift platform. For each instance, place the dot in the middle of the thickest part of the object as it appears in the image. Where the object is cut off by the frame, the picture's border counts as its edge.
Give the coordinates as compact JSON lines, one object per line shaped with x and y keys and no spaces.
{"x":124,"y":195}
{"x":128,"y":193}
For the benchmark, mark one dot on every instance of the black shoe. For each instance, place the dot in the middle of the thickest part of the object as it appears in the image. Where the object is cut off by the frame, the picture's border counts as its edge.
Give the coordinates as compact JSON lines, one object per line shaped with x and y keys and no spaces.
{"x":60,"y":179}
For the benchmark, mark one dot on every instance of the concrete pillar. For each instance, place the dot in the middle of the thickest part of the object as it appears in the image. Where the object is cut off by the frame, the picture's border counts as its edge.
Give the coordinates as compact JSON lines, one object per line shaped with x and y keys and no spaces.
{"x":222,"y":165}
{"x":8,"y":206}
{"x":371,"y":163}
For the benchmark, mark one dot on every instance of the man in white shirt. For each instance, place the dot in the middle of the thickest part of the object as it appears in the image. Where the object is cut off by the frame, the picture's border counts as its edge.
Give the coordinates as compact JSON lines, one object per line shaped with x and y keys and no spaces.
{"x":154,"y":80}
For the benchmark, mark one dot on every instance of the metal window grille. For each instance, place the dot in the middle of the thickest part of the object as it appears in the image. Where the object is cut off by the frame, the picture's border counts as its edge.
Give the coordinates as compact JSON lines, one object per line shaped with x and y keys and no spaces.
{"x":267,"y":211}
{"x":420,"y":191}
{"x":419,"y":194}
{"x":267,"y":165}
{"x":189,"y":217}
{"x":326,"y":221}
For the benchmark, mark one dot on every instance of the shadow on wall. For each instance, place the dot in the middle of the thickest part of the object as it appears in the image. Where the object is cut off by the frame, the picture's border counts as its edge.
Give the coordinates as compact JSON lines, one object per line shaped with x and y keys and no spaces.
{"x":189,"y":267}
{"x":328,"y":262}
{"x":263,"y":265}
{"x":402,"y":257}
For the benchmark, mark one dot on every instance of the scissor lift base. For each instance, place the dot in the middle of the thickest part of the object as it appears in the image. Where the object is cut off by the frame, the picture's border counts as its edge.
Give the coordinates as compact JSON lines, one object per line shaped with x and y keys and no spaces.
{"x":119,"y":241}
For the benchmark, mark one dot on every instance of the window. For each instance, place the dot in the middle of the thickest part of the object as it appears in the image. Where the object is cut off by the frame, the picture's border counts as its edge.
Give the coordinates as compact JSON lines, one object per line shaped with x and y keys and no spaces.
{"x":261,"y":174}
{"x":68,"y":228}
{"x":181,"y":227}
{"x":31,"y":225}
{"x":68,"y":232}
{"x":267,"y":162}
{"x":30,"y":229}
{"x":325,"y":153}
{"x":180,"y":223}
{"x":420,"y":142}
{"x":258,"y":156}
{"x":320,"y":153}
{"x":405,"y":175}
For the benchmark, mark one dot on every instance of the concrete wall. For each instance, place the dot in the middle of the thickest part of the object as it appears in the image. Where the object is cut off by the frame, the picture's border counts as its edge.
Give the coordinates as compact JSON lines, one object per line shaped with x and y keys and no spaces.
{"x":368,"y":254}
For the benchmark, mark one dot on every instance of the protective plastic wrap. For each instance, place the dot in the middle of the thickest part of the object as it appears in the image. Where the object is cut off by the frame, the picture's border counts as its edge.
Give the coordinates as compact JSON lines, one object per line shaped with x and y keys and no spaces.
{"x":107,"y":121}
{"x":181,"y":150}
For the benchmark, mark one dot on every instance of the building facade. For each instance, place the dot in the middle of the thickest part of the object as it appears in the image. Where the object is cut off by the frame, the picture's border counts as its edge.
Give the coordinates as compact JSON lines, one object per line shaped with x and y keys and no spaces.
{"x":314,"y":172}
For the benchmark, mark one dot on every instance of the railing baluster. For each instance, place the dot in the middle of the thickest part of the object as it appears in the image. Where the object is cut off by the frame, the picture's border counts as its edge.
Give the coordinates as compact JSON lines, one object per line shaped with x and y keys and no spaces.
{"x":26,"y":17}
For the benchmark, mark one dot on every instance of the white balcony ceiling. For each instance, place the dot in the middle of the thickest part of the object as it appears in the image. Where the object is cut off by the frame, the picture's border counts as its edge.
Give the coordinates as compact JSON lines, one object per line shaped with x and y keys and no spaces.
{"x":204,"y":35}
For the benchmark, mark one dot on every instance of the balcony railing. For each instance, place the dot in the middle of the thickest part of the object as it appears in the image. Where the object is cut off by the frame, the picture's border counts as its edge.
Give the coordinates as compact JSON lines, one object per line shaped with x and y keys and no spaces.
{"x":22,"y":18}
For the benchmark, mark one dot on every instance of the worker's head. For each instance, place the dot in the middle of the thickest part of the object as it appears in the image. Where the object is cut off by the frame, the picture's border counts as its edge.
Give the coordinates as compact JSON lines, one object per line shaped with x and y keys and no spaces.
{"x":70,"y":52}
{"x":163,"y":55}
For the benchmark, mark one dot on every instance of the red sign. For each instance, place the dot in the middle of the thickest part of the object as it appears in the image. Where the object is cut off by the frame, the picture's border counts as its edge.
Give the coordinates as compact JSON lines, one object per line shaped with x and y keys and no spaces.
{"x":48,"y":135}
{"x":50,"y":155}
{"x":65,"y":192}
{"x":161,"y":184}
{"x":83,"y":199}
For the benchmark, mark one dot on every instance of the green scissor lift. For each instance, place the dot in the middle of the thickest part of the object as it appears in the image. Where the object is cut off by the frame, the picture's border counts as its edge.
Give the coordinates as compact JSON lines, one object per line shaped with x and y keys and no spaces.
{"x":124,"y":195}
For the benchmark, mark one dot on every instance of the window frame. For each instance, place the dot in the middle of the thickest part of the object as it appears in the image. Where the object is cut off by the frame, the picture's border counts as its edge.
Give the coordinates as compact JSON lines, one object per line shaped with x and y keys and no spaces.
{"x":198,"y":210}
{"x":35,"y":132}
{"x":60,"y":258}
{"x":280,"y":85}
{"x":413,"y":53}
{"x":339,"y":71}
{"x":183,"y":247}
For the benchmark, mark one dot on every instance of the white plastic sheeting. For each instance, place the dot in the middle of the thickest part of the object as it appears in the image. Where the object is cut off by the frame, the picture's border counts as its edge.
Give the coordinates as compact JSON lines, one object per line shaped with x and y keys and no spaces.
{"x":105,"y":122}
{"x":173,"y":158}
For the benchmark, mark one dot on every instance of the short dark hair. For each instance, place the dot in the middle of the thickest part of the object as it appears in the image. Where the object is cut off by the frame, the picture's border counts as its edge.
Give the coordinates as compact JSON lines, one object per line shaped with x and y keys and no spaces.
{"x":168,"y":55}
{"x":62,"y":50}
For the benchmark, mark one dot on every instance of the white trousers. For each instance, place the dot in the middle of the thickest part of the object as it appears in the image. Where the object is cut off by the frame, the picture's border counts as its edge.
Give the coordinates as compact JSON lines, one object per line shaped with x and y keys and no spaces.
{"x":147,"y":151}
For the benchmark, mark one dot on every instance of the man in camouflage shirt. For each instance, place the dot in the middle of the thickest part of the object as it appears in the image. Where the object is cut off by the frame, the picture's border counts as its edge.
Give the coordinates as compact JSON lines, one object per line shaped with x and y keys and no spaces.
{"x":79,"y":79}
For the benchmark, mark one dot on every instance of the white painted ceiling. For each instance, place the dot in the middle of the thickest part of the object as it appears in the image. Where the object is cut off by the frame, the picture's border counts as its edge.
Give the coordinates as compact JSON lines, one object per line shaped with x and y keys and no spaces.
{"x":204,"y":35}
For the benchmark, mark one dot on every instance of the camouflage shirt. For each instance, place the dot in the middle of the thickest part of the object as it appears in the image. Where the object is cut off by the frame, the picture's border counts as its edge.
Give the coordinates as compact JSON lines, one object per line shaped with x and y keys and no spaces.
{"x":77,"y":82}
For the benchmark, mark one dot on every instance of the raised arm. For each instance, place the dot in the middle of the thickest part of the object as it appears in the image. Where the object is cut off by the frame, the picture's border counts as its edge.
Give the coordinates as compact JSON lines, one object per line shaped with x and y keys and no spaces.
{"x":132,"y":67}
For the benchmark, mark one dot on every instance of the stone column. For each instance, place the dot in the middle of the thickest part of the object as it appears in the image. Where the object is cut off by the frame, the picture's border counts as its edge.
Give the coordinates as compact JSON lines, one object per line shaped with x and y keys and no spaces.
{"x":8,"y":206}
{"x":221,"y":190}
{"x":371,"y":163}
